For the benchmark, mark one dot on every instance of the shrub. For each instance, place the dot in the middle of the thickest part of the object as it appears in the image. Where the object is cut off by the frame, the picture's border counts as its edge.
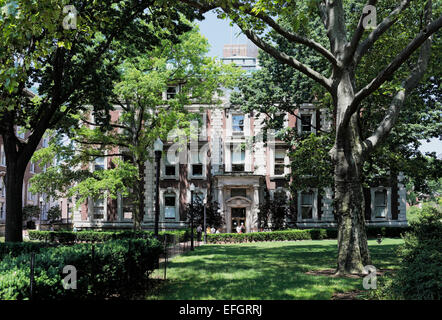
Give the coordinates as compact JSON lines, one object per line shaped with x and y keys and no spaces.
{"x":17,"y":248}
{"x":285,"y":235}
{"x":87,"y":236}
{"x":101,"y":272}
{"x":420,"y":273}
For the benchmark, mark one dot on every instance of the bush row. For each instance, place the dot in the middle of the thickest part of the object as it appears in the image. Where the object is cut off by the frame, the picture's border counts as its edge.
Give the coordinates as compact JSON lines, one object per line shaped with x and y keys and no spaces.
{"x":266,"y":236}
{"x":298,"y":234}
{"x":103,"y":270}
{"x":17,"y":248}
{"x":87,"y":236}
{"x":101,"y":236}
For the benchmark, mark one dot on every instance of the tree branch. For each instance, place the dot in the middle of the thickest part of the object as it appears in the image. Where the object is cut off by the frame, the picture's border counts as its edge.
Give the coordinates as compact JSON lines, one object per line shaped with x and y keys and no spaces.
{"x":408,"y":85}
{"x":353,"y":45}
{"x":294,"y":37}
{"x":385,"y":74}
{"x":325,"y":82}
{"x":380,"y":29}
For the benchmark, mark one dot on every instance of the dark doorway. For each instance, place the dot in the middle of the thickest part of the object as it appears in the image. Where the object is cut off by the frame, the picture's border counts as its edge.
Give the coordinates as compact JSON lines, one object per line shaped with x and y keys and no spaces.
{"x":238,"y":217}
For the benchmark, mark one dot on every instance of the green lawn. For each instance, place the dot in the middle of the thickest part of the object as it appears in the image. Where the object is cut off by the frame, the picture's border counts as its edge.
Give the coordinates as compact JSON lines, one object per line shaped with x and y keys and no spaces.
{"x":267,"y":270}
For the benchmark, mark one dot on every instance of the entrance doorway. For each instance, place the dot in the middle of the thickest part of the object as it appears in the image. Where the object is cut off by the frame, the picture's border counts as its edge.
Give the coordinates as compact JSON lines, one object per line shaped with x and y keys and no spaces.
{"x":238,"y":217}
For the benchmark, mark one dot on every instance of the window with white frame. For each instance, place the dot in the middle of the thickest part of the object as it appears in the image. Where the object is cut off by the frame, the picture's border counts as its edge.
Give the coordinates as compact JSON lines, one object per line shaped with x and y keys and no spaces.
{"x":380,"y":203}
{"x":306,"y":123}
{"x":2,"y":156}
{"x":99,"y":163}
{"x":2,"y":188}
{"x":307,"y":204}
{"x":171,"y":92}
{"x":31,"y":196}
{"x":127,"y":207}
{"x":98,"y":209}
{"x":170,"y":169}
{"x":197,"y":196}
{"x":238,"y":123}
{"x":32,"y":167}
{"x":45,"y":142}
{"x":279,"y":161}
{"x":2,"y":210}
{"x":238,"y":158}
{"x":238,"y":192}
{"x":169,"y":205}
{"x":197,"y":162}
{"x":169,"y":166}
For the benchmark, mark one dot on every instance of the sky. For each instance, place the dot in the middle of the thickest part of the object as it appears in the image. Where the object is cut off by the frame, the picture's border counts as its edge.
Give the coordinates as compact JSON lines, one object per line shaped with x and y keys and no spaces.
{"x":219,"y":32}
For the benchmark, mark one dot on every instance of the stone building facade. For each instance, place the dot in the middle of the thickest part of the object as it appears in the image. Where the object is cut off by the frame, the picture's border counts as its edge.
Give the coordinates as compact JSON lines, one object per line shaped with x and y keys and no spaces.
{"x":237,"y":174}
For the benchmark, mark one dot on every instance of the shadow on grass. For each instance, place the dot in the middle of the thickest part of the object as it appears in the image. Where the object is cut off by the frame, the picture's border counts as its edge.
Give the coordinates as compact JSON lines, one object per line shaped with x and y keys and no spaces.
{"x":272,"y":270}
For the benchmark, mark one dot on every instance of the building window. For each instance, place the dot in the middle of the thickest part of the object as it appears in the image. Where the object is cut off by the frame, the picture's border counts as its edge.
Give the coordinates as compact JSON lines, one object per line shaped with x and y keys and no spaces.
{"x":197,"y":170}
{"x":169,"y":205}
{"x":45,"y":142}
{"x":172,"y":91}
{"x":170,"y":169}
{"x":238,"y":123}
{"x":99,"y":163}
{"x":2,"y":210}
{"x":127,"y":207}
{"x":20,"y":132}
{"x":238,"y":158}
{"x":279,"y":162}
{"x":197,"y":197}
{"x":98,"y":209}
{"x":31,"y":196}
{"x":32,"y":167}
{"x":380,"y":202}
{"x":2,"y":188}
{"x":238,"y":192}
{"x":307,"y":205}
{"x":197,"y":163}
{"x":3,"y":156}
{"x":306,"y":123}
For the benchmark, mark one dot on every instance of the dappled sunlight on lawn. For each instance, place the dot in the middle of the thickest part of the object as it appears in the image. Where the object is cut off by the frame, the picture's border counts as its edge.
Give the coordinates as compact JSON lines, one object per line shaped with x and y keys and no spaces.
{"x":265,"y":270}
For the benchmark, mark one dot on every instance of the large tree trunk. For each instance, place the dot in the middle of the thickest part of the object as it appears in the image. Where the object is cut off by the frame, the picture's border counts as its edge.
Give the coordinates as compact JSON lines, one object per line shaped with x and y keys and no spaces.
{"x":353,"y":252}
{"x":15,"y":171}
{"x":139,"y":212}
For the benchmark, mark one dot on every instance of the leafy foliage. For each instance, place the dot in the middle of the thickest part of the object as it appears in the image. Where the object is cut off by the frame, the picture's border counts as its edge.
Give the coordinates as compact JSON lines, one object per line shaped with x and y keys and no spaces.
{"x":196,"y":210}
{"x":54,"y":213}
{"x":31,"y":211}
{"x":420,"y":273}
{"x":273,"y":213}
{"x":102,"y":271}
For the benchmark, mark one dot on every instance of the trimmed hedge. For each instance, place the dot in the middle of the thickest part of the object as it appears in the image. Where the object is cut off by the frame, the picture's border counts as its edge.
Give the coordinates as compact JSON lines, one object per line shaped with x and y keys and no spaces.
{"x":66,"y":237}
{"x":87,"y":236}
{"x":113,"y":266}
{"x":285,"y":235}
{"x":17,"y":248}
{"x":298,"y":234}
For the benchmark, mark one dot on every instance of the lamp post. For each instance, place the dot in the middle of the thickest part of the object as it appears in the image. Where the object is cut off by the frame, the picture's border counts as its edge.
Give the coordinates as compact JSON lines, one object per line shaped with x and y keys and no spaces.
{"x":41,"y":211}
{"x":205,"y":230}
{"x":158,"y":148}
{"x":192,"y":189}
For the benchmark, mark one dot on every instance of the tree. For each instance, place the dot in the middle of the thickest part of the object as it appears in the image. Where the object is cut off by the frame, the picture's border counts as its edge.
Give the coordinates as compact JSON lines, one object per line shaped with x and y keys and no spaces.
{"x":195,"y":210}
{"x":348,"y":44}
{"x":144,"y":115}
{"x":274,"y":213}
{"x":72,"y":64}
{"x":54,"y":213}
